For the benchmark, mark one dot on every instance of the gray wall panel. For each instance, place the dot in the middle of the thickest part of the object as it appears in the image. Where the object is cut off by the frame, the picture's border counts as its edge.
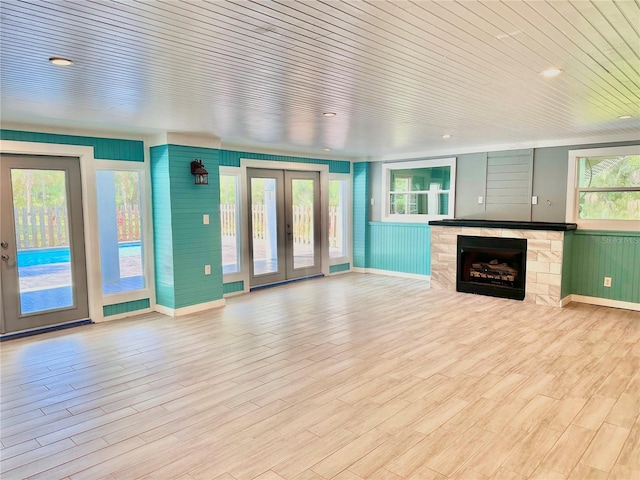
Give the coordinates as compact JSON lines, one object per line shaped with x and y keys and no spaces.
{"x":471,"y":173}
{"x":509,"y":177}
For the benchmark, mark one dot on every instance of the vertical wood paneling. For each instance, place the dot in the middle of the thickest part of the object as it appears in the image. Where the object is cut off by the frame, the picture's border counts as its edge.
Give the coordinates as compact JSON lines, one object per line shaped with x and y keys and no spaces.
{"x":599,"y":254}
{"x":400,"y":247}
{"x":567,"y":249}
{"x":360,"y":213}
{"x":231,"y":158}
{"x":233,"y":287}
{"x":103,"y":148}
{"x":125,"y":307}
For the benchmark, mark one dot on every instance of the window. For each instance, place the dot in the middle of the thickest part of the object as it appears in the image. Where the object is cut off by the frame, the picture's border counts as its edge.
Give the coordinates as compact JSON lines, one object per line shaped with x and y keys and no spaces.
{"x":605,"y":188}
{"x":338,"y":218}
{"x":120,"y":230}
{"x":230,"y":221}
{"x":419,"y":191}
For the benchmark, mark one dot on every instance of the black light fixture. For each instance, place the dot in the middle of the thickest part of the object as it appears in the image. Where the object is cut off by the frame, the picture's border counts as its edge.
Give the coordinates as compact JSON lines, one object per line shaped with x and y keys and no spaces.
{"x":200,"y":174}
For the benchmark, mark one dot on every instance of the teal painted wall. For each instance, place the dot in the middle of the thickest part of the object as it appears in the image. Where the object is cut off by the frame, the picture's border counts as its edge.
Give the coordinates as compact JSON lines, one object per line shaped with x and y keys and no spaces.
{"x":125,"y":307}
{"x":231,"y":158}
{"x":596,"y":254}
{"x":182,"y":243}
{"x":103,"y":148}
{"x":233,"y":287}
{"x":400,"y":247}
{"x":360,"y":214}
{"x":162,"y":226}
{"x":343,"y":267}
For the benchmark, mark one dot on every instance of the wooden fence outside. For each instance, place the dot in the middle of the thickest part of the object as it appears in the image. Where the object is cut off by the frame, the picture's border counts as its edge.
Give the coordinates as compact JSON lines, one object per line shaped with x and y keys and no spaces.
{"x":302,"y":220}
{"x":45,"y":227}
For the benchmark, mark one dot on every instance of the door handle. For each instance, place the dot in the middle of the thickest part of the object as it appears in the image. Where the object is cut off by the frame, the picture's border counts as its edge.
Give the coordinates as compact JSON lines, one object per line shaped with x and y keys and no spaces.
{"x":5,"y":257}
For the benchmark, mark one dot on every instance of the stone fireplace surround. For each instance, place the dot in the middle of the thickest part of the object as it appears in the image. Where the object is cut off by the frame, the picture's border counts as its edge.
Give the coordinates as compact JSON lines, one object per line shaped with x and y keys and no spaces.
{"x":545,"y":245}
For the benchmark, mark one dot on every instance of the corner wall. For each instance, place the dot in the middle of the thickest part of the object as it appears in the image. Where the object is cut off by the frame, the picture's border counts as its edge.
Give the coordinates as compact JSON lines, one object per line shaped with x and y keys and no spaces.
{"x":183,"y":245}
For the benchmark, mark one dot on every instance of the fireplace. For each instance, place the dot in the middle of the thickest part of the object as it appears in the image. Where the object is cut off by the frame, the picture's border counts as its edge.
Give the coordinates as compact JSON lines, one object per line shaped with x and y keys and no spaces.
{"x":492,"y":266}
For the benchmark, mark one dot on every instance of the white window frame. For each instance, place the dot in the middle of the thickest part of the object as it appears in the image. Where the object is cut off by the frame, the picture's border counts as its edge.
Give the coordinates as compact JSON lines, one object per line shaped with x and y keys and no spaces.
{"x":346,"y":258}
{"x":146,"y":231}
{"x":387,"y":168}
{"x":241,"y":174}
{"x":573,"y":190}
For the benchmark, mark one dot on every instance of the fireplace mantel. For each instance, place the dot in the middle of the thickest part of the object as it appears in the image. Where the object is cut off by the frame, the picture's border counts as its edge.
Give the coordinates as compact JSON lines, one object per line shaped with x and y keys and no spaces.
{"x":545,"y":253}
{"x":513,"y":225}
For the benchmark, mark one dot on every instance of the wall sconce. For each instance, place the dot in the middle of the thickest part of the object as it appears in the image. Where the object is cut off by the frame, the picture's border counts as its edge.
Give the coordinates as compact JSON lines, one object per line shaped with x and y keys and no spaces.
{"x":200,"y":174}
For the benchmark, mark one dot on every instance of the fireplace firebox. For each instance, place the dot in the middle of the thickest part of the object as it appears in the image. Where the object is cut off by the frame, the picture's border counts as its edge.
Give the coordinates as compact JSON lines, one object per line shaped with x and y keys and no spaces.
{"x":492,"y":266}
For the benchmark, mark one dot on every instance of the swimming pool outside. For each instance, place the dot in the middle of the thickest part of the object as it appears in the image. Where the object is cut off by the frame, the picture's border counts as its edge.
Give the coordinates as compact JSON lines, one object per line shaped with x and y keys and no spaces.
{"x":46,"y":282}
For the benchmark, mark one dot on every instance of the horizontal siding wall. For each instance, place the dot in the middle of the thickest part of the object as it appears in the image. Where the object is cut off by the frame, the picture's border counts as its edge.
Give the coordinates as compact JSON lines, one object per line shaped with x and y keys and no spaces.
{"x":509,"y":176}
{"x":343,"y":267}
{"x":231,"y":158}
{"x":599,"y":254}
{"x":162,"y":232}
{"x":195,"y":244}
{"x":125,"y":307}
{"x":400,"y":247}
{"x":103,"y":148}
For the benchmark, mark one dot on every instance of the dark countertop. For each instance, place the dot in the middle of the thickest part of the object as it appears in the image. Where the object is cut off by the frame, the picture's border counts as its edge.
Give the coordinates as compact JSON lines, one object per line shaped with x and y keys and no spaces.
{"x":515,"y":225}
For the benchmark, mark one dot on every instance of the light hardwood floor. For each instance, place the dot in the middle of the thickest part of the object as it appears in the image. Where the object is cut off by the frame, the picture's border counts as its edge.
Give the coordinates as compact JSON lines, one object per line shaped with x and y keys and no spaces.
{"x":348,"y":377}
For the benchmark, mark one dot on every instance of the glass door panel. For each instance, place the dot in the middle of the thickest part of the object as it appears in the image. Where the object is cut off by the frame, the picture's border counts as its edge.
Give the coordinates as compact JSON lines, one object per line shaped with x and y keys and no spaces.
{"x":266,"y":229}
{"x":285,"y":241}
{"x":265,"y":232}
{"x":302,"y":207}
{"x":43,"y":259}
{"x":302,"y":223}
{"x":41,"y":229}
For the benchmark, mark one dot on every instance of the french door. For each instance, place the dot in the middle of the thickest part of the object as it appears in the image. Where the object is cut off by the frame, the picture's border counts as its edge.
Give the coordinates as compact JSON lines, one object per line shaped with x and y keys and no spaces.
{"x":43,"y":267}
{"x":284,"y":225}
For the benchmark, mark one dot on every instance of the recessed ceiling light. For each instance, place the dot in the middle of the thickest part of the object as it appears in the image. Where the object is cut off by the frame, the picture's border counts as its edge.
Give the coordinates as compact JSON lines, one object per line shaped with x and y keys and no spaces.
{"x":551,"y":72}
{"x":329,"y":114}
{"x":327,"y":149}
{"x":446,"y":135}
{"x":625,"y":117}
{"x":60,"y":61}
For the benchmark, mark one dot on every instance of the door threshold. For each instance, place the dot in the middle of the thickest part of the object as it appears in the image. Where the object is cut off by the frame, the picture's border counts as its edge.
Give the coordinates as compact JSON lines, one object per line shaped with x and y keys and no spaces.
{"x":284,"y":282}
{"x":51,"y":328}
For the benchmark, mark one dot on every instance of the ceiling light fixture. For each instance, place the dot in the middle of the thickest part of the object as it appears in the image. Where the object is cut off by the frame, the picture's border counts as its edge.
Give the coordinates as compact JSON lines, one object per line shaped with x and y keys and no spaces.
{"x":329,"y":114}
{"x":60,"y":61}
{"x":551,"y":72}
{"x":327,"y":149}
{"x":625,"y":117}
{"x":446,"y":135}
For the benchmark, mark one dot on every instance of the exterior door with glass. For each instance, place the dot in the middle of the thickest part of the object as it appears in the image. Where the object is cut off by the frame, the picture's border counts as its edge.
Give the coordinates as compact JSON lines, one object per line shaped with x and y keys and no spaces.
{"x":43,"y":267}
{"x":284,"y":225}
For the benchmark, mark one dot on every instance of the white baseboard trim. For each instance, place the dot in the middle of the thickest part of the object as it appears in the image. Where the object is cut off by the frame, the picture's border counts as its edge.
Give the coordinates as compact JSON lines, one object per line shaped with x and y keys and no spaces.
{"x":234,"y":294}
{"x":391,"y":273}
{"x":124,"y":315}
{"x":605,"y":302}
{"x":565,"y":301}
{"x":178,"y":312}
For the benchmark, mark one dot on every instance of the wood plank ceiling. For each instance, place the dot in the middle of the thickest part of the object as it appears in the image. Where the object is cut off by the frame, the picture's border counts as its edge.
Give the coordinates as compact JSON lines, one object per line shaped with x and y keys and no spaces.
{"x":399,"y":74}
